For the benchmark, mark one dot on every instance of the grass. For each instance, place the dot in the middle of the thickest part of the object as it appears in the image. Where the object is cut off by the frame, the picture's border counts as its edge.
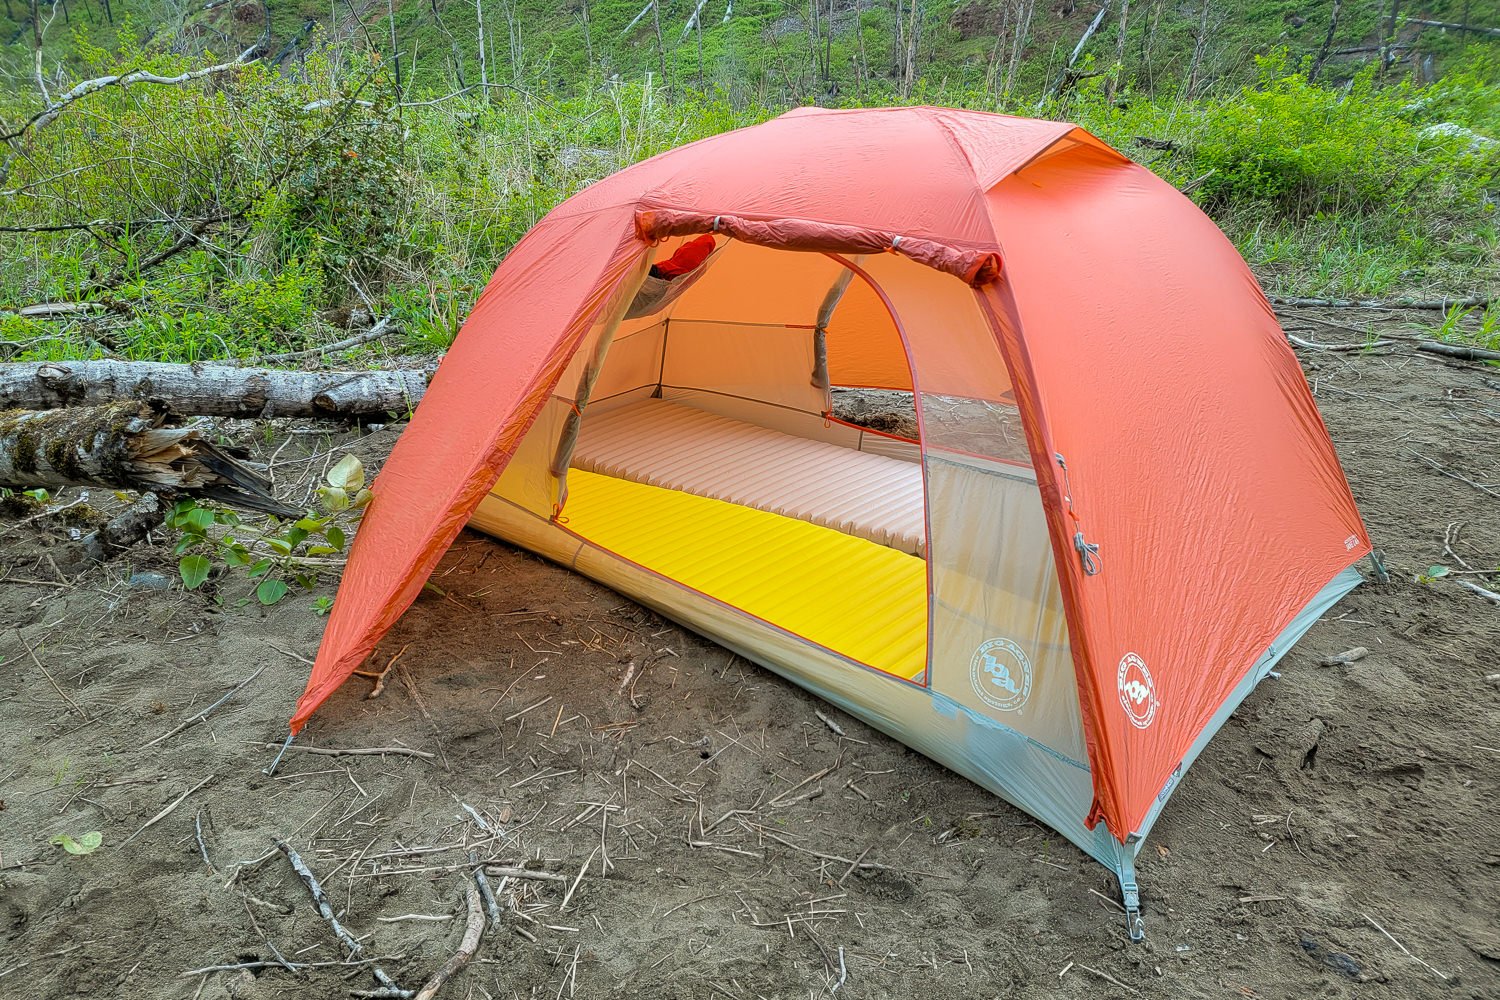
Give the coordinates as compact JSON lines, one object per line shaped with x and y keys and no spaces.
{"x":1338,"y":187}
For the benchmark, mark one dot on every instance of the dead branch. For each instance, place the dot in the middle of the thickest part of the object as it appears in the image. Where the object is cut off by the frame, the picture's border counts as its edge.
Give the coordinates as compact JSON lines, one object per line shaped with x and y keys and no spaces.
{"x":1458,"y":351}
{"x":1470,"y":301}
{"x":1453,"y":26}
{"x":325,"y":910}
{"x":1067,"y":77}
{"x":1488,"y":595}
{"x":125,"y":529}
{"x":1314,"y":345}
{"x":127,"y":445}
{"x":212,"y":390}
{"x":371,"y":335}
{"x":466,"y":948}
{"x":55,"y":108}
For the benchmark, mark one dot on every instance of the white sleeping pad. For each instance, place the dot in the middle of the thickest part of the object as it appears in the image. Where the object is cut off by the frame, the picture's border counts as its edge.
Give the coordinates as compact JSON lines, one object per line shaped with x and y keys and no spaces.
{"x":682,"y":448}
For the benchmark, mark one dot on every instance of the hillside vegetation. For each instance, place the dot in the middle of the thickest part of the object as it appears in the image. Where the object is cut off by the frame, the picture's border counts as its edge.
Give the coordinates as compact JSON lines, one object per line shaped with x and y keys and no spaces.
{"x":333,"y":175}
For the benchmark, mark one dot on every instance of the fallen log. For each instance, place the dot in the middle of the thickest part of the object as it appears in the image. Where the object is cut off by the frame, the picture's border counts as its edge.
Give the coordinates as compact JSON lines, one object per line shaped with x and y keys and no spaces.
{"x":1462,"y":302}
{"x":1458,"y":351}
{"x":212,"y":390}
{"x":130,"y":446}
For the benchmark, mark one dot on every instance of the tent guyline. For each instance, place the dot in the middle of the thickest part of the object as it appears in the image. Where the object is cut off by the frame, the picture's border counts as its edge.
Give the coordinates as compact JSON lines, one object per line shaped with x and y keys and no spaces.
{"x":1043,"y":588}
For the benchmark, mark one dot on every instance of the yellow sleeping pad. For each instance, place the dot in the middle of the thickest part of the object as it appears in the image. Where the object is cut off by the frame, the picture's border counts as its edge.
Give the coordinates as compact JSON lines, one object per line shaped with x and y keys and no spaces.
{"x":862,"y":600}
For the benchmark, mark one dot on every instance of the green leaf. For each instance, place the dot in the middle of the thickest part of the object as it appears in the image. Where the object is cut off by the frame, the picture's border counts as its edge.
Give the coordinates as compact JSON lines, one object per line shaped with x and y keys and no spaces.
{"x":260,"y":569}
{"x":321,"y":550}
{"x":361,"y":500}
{"x":184,"y":543}
{"x":335,"y":536}
{"x":86,"y":844}
{"x":236,"y":555}
{"x":270,"y":591}
{"x":1437,"y":571}
{"x":348,"y":474}
{"x":198,"y":519}
{"x":295,"y":536}
{"x":194,"y":570}
{"x":312,"y":525}
{"x":334,"y":498}
{"x":280,"y":545}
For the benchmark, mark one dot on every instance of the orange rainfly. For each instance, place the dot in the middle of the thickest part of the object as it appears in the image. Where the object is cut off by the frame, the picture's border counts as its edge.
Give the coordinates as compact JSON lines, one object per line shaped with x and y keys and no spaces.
{"x":1120,"y":508}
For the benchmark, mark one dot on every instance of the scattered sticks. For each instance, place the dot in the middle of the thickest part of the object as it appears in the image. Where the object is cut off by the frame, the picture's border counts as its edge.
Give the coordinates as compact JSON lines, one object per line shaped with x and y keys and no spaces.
{"x":379,"y":678}
{"x":1481,"y":487}
{"x":167,"y":811}
{"x":1345,"y":658}
{"x":202,"y":845}
{"x":72,"y":705}
{"x":1468,"y":302}
{"x":507,"y":872}
{"x":205,"y":713}
{"x":473,"y":931}
{"x":325,"y":909}
{"x":833,"y":726}
{"x":1403,"y":947}
{"x":1488,"y":595}
{"x":361,"y":751}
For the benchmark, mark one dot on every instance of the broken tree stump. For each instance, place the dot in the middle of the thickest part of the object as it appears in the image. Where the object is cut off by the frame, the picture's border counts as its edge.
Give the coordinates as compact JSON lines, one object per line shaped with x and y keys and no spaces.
{"x":212,"y":390}
{"x":127,"y":446}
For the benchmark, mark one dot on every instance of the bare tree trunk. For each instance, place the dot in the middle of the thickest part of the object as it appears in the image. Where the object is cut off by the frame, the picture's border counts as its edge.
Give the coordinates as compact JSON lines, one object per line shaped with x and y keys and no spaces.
{"x":1119,"y":70}
{"x":36,"y":50}
{"x":913,"y":38}
{"x":1465,"y":26}
{"x":211,"y":390}
{"x":1200,"y":46}
{"x":1018,"y":44}
{"x":991,"y":69}
{"x":588,"y":37}
{"x":127,"y":445}
{"x":898,"y":41}
{"x":1065,"y":79}
{"x":862,"y":68}
{"x":661,"y":49}
{"x":1386,"y":55}
{"x":1333,"y":26}
{"x":484,"y":73}
{"x":390,"y":8}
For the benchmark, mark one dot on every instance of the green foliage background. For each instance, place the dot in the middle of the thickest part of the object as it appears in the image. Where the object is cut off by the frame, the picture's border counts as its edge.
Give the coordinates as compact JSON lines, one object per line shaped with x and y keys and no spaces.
{"x":271,"y":207}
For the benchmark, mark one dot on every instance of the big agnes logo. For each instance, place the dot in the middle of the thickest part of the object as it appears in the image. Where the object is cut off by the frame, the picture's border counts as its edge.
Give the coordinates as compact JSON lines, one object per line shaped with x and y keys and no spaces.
{"x":1137,"y":691}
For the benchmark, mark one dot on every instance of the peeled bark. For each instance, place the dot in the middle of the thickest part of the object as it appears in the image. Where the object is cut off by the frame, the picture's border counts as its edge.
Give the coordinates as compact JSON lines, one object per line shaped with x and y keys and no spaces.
{"x":130,"y":446}
{"x":211,"y":390}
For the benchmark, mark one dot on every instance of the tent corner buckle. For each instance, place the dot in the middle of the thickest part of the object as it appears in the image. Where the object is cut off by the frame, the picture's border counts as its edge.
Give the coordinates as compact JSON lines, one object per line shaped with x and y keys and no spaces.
{"x":1135,"y":926}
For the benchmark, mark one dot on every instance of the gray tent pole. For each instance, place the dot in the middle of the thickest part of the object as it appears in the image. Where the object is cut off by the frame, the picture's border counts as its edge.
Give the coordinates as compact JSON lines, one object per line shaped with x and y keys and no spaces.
{"x":820,"y":378}
{"x":568,"y":439}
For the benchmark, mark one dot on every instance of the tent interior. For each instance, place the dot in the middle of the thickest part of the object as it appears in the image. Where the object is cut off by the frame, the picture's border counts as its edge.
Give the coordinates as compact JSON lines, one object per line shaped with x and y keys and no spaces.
{"x":697,"y":441}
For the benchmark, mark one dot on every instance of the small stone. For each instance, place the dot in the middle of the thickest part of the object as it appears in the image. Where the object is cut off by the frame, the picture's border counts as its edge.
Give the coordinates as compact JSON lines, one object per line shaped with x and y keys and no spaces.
{"x":149,"y":581}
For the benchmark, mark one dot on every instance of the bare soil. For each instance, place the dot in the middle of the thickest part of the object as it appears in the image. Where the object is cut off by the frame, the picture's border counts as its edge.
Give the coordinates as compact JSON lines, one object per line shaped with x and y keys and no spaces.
{"x":1338,"y":838}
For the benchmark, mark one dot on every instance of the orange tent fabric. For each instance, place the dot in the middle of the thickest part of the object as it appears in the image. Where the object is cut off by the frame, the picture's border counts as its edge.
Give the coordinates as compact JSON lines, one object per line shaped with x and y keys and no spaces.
{"x":1167,"y":421}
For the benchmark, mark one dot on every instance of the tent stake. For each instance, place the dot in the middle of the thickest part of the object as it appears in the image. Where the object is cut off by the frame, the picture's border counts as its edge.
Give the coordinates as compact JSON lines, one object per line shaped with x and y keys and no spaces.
{"x":279,"y":754}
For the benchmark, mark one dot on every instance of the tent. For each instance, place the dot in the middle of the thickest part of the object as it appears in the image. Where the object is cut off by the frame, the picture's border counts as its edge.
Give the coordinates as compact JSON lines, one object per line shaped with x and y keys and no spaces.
{"x":1120,"y":510}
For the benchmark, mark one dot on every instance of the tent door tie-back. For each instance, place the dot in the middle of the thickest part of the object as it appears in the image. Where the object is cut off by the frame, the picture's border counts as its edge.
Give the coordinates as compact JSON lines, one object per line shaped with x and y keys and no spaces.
{"x":1088,"y":552}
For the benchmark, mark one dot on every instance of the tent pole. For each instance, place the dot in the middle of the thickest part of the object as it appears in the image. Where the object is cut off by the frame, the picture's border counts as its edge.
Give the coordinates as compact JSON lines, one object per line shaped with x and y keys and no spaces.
{"x":820,"y":378}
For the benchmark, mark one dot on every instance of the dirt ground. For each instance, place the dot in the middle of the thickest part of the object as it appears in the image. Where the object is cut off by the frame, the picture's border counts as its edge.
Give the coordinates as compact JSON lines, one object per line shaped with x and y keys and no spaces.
{"x":1338,"y":838}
